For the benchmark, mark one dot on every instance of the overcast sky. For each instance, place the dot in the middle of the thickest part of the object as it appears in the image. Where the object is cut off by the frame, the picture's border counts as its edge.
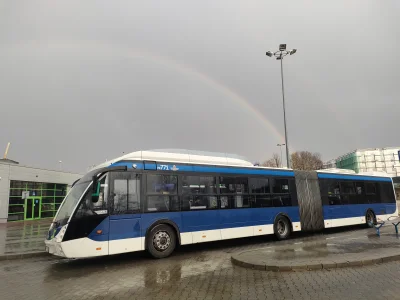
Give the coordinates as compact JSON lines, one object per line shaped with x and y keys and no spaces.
{"x":85,"y":81}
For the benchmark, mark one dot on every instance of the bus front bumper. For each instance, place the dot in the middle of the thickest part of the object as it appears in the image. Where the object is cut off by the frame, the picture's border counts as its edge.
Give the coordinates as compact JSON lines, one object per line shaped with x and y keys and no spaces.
{"x":54,"y":248}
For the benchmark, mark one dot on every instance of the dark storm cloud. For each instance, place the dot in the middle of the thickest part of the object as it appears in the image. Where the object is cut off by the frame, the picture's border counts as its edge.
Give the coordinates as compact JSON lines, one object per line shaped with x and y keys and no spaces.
{"x":85,"y":81}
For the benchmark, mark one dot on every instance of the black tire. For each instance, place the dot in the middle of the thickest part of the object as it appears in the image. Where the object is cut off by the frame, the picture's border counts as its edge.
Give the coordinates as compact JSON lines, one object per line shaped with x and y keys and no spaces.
{"x":282,"y":228}
{"x":161,"y":241}
{"x":370,"y":218}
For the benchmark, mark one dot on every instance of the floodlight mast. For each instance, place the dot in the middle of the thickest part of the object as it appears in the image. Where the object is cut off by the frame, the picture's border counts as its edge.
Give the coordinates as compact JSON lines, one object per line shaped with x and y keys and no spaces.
{"x":279,"y":55}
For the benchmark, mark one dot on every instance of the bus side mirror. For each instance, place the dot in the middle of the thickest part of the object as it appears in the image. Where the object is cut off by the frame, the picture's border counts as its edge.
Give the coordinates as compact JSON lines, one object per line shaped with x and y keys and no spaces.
{"x":95,"y":189}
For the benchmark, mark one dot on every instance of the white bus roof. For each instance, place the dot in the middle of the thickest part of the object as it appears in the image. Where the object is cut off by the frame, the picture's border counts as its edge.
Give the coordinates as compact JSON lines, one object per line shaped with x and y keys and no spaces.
{"x":184,"y":156}
{"x":351,"y":172}
{"x":337,"y":171}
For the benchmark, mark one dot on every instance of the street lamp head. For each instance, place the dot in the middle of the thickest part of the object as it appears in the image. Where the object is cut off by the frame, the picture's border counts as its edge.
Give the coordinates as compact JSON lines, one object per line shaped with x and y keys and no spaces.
{"x":282,"y":47}
{"x":293,"y":51}
{"x":269,"y":53}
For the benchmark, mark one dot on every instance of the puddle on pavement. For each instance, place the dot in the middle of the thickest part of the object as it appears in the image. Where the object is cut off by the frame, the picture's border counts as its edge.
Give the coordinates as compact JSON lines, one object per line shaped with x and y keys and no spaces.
{"x":326,"y":247}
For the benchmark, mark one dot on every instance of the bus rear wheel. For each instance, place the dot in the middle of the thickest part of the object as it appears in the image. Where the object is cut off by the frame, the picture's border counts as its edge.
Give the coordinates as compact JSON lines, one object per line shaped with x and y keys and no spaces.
{"x":161,"y":241}
{"x":370,"y":219}
{"x":282,"y":228}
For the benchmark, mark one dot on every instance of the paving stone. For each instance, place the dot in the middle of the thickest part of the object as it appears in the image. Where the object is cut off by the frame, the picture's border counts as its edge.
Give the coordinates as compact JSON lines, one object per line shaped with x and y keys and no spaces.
{"x":339,"y":250}
{"x":203,"y":271}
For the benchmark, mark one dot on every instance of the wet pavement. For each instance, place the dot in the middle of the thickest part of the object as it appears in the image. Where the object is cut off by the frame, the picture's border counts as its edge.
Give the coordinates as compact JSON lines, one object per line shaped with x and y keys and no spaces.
{"x":201,"y":271}
{"x":22,"y":238}
{"x":338,"y":250}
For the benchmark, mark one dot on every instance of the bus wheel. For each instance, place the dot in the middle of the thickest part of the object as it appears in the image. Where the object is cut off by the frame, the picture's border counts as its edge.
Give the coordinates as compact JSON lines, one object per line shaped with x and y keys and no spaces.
{"x":282,"y":228}
{"x":161,"y":241}
{"x":370,"y":218}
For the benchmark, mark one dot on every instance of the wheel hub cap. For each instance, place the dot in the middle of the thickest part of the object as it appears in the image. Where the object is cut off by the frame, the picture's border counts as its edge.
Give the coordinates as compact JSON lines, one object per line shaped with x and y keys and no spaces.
{"x":281,"y":228}
{"x":161,"y":241}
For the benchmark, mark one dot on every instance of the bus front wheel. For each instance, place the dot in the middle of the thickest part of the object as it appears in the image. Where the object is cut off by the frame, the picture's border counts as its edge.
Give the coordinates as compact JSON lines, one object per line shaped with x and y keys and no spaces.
{"x":282,"y":228}
{"x":161,"y":241}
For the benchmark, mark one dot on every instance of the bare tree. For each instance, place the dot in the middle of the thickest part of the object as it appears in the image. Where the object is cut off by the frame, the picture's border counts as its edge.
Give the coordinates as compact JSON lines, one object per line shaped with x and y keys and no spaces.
{"x":274,"y":162}
{"x":305,"y":160}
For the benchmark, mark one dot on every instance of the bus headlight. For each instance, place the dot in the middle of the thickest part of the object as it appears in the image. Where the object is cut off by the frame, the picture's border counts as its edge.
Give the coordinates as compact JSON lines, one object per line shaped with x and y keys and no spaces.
{"x":59,"y":237}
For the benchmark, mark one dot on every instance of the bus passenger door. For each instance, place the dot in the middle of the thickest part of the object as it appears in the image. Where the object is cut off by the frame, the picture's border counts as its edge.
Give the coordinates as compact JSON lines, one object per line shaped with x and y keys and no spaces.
{"x":125,"y":216}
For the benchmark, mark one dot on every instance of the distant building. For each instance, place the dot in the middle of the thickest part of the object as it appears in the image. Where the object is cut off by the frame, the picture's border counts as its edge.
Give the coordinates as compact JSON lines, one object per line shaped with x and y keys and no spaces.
{"x":368,"y":160}
{"x":28,"y":193}
{"x":396,"y":182}
{"x":329,"y":164}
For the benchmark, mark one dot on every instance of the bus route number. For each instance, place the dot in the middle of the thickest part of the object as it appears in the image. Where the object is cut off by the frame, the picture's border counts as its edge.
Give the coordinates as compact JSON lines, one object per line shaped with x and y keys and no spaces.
{"x":163,"y":167}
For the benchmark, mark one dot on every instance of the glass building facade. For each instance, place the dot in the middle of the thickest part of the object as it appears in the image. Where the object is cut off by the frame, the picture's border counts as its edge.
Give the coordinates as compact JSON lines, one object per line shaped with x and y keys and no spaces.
{"x":34,"y":200}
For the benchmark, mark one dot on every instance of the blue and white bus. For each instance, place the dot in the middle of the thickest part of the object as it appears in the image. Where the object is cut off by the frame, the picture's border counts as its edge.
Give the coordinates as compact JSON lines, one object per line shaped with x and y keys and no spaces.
{"x":158,"y":200}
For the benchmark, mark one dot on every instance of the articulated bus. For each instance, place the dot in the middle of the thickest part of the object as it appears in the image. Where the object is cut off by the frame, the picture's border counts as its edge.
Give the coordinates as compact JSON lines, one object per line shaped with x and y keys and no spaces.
{"x":158,"y":200}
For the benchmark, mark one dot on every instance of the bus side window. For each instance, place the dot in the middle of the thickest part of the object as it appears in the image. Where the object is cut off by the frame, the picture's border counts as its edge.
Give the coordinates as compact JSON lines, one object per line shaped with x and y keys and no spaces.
{"x":162,"y":193}
{"x":348,"y":193}
{"x":360,"y":193}
{"x":387,"y":195}
{"x":89,"y":208}
{"x":120,"y":196}
{"x":102,"y":202}
{"x":280,"y":192}
{"x":125,"y":193}
{"x":334,"y":192}
{"x":234,"y":192}
{"x":371,"y":191}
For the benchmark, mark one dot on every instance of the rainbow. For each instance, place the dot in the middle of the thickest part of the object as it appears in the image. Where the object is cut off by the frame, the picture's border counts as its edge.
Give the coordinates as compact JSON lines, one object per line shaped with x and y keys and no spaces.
{"x":95,"y":47}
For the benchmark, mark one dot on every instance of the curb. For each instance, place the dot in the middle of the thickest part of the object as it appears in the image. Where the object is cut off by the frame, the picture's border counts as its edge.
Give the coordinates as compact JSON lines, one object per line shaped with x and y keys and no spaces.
{"x":23,"y":255}
{"x":312,"y":265}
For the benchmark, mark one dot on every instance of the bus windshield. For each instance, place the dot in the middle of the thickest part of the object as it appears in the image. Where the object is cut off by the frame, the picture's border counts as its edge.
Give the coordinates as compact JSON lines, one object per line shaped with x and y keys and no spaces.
{"x":67,"y":207}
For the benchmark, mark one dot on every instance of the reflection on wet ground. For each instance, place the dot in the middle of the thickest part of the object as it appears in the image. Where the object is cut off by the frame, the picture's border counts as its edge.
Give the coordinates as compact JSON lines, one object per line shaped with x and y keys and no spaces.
{"x":342,"y":245}
{"x":201,"y":271}
{"x":354,"y":246}
{"x":23,"y":237}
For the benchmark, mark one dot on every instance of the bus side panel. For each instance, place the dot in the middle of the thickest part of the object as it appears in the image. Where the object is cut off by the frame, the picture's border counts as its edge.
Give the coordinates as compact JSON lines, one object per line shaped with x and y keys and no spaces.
{"x":327,"y":216}
{"x":201,"y":225}
{"x":266,"y":217}
{"x":344,"y":215}
{"x":93,"y":243}
{"x":236,"y":223}
{"x":383,"y":210}
{"x":391,"y":209}
{"x":243,"y":222}
{"x":125,"y":233}
{"x":352,"y":214}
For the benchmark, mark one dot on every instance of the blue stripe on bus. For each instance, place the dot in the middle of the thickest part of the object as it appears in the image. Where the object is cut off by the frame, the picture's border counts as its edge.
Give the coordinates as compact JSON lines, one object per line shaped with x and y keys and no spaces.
{"x":136,"y":225}
{"x":357,"y":210}
{"x":353,"y":177}
{"x":208,"y":169}
{"x":139,"y":165}
{"x":130,"y":226}
{"x":247,"y":171}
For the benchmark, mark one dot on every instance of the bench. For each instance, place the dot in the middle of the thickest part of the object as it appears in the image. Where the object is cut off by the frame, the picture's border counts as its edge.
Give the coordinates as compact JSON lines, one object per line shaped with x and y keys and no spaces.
{"x":379,"y":223}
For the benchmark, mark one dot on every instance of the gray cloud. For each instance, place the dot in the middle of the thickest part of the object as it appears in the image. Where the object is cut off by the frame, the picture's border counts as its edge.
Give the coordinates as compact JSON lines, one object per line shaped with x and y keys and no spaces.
{"x":85,"y":81}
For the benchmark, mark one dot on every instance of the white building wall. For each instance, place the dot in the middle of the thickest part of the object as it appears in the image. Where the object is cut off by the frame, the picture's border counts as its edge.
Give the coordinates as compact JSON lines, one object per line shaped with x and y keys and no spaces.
{"x":4,"y":191}
{"x":23,"y":173}
{"x":385,"y":160}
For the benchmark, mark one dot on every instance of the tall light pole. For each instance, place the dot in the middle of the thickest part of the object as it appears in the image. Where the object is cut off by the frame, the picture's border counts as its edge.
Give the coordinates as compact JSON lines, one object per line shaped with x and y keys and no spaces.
{"x":279,"y":55}
{"x":280,"y":146}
